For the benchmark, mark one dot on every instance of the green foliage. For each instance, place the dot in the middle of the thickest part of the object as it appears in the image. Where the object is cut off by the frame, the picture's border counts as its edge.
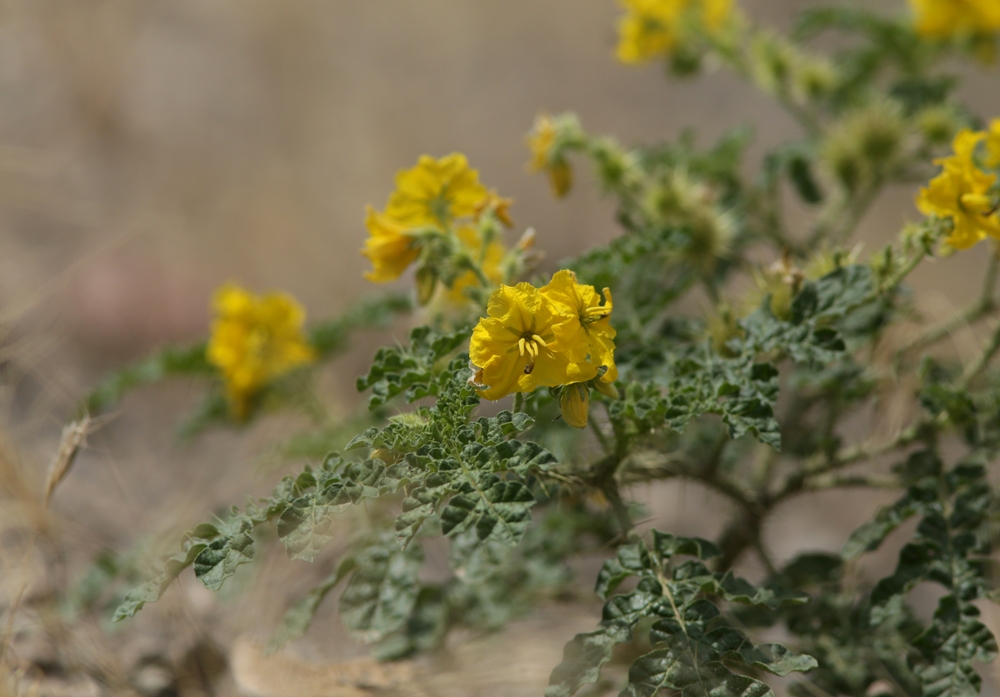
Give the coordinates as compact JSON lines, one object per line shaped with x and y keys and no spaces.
{"x":751,"y":353}
{"x":693,"y":643}
{"x":951,"y":547}
{"x":414,"y":370}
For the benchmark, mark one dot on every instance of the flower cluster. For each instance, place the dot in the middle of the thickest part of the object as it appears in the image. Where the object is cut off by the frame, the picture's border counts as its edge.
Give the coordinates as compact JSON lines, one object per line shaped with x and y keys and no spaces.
{"x":652,"y":28}
{"x":443,"y":218}
{"x":559,"y":335}
{"x":964,"y":193}
{"x":943,"y":19}
{"x":254,"y":340}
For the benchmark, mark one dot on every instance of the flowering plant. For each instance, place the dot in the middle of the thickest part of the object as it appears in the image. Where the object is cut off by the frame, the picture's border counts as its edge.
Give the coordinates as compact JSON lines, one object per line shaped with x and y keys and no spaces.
{"x":608,"y":375}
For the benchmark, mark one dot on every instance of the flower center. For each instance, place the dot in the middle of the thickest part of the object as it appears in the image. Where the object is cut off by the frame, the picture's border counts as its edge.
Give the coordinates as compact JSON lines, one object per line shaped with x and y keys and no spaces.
{"x":593,"y":314}
{"x":532,"y":345}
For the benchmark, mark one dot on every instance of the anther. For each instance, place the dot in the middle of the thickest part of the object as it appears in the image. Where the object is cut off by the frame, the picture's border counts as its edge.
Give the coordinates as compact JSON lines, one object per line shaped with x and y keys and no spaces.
{"x":520,"y":345}
{"x":538,"y":340}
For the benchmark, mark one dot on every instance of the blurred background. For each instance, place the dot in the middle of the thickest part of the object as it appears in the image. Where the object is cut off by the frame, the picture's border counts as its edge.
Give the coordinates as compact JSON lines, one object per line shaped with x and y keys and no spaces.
{"x":152,"y":150}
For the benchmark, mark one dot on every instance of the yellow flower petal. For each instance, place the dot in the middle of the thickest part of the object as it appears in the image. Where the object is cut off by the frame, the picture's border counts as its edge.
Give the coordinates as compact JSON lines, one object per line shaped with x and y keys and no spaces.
{"x":436,"y":192}
{"x":993,"y":145}
{"x":942,"y":19}
{"x":651,"y":28}
{"x":586,"y":334}
{"x":961,"y":192}
{"x":390,"y":247}
{"x":515,"y":348}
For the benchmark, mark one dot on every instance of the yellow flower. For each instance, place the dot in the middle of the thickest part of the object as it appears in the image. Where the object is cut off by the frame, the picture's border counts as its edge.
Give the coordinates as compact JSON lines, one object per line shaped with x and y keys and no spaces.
{"x":589,"y":329}
{"x":993,"y":145}
{"x":516,"y":348}
{"x":961,"y":192}
{"x":651,"y":28}
{"x":541,"y":142}
{"x":489,"y":261}
{"x":391,"y":247}
{"x":942,"y":19}
{"x":435,"y":192}
{"x":574,"y":403}
{"x":254,"y":340}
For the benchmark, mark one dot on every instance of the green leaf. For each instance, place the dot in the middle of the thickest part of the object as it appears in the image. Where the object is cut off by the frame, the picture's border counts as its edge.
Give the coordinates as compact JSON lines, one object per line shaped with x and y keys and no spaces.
{"x":668,"y":545}
{"x":299,"y":617}
{"x":382,"y":591}
{"x":689,"y":634}
{"x":583,"y":658}
{"x":954,"y":640}
{"x":219,"y":559}
{"x":677,"y":667}
{"x":412,"y":370}
{"x":498,"y":510}
{"x":152,"y":590}
{"x":870,"y":535}
{"x":948,"y":548}
{"x":772,"y":596}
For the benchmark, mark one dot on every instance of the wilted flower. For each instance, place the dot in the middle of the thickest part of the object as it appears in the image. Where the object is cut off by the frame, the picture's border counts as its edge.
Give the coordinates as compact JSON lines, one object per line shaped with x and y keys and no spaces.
{"x":254,"y":340}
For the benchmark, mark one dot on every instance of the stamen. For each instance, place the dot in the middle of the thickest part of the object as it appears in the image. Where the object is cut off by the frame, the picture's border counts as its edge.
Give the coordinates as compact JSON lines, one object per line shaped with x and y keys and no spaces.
{"x":532,"y":349}
{"x":538,"y":340}
{"x":520,"y":345}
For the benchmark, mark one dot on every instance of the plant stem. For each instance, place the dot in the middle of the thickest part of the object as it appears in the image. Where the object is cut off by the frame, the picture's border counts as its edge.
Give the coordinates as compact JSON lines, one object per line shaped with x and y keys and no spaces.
{"x":979,"y":309}
{"x":977,"y":366}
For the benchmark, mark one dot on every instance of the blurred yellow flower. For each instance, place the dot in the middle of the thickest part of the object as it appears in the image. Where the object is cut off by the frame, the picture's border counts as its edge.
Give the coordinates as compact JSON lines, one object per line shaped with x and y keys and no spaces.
{"x":390,"y":247}
{"x":589,"y":330}
{"x":254,"y":340}
{"x":652,"y":28}
{"x":541,"y":142}
{"x":489,"y":261}
{"x":961,"y":192}
{"x":942,"y":19}
{"x":993,"y":145}
{"x":435,"y":192}
{"x":516,"y":348}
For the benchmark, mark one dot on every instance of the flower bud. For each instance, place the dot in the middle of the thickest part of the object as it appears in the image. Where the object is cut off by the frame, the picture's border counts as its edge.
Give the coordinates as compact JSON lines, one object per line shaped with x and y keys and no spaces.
{"x":426,"y":282}
{"x":527,"y":240}
{"x":938,"y":123}
{"x":607,"y":389}
{"x":574,"y":402}
{"x":560,"y":177}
